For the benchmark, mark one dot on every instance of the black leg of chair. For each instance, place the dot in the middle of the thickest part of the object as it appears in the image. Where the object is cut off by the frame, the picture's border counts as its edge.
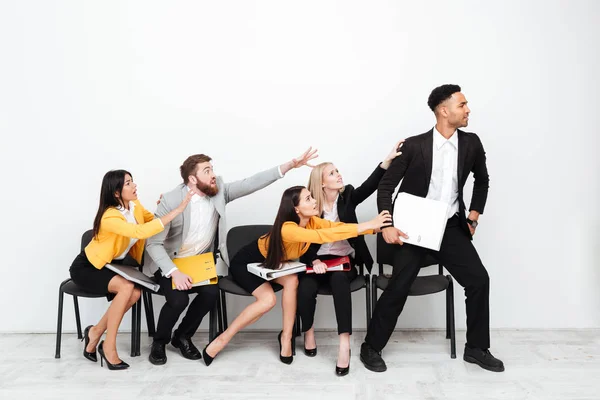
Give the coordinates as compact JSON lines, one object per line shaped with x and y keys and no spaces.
{"x":373,"y":293}
{"x":448,"y":310}
{"x":297,"y":327}
{"x":59,"y":322}
{"x":77,"y":318}
{"x":452,"y":327}
{"x":224,"y":309}
{"x":133,"y":330}
{"x":212,"y":324}
{"x":219,"y":314}
{"x":138,"y":337}
{"x":150,"y":315}
{"x":368,"y":296}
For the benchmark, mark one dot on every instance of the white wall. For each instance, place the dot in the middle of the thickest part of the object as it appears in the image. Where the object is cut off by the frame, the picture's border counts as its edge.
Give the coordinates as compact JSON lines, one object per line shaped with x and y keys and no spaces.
{"x":90,"y":86}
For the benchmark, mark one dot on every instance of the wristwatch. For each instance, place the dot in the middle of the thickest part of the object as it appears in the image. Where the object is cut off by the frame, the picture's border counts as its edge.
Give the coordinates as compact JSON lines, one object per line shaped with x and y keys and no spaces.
{"x":472,"y":223}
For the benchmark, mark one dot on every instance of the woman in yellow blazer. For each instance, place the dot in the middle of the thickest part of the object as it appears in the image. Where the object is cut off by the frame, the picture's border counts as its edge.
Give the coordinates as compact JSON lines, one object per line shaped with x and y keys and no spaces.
{"x":120,"y":227}
{"x":295,"y":228}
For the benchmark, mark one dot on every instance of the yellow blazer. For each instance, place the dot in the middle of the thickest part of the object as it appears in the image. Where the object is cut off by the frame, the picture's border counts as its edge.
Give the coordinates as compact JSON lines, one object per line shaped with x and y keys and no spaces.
{"x":115,"y":234}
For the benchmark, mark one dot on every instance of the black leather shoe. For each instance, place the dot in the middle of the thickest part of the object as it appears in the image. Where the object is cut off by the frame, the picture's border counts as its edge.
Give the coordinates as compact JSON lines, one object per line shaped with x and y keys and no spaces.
{"x":157,"y":354}
{"x":86,"y":339}
{"x":371,"y":359}
{"x":187,"y":348}
{"x":342,"y":371}
{"x":484,"y":359}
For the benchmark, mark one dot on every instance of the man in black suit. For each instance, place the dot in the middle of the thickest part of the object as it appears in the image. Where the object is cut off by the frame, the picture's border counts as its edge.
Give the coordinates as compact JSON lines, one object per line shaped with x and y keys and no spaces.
{"x":436,"y":165}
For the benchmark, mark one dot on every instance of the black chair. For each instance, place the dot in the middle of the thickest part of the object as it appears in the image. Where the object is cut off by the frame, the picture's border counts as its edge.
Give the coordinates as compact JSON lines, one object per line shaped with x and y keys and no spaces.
{"x":69,"y":287}
{"x":238,"y":237}
{"x":423,"y":285}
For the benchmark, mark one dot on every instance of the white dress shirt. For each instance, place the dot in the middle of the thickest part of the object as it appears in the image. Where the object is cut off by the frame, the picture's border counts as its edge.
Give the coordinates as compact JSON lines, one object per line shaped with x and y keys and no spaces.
{"x":204,"y":219}
{"x":128,"y":214}
{"x":341,"y":247}
{"x":443,"y":185}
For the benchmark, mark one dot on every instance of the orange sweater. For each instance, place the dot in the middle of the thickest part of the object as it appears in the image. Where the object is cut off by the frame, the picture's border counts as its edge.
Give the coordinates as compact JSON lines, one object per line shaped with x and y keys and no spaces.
{"x":115,"y":234}
{"x":297,"y":240}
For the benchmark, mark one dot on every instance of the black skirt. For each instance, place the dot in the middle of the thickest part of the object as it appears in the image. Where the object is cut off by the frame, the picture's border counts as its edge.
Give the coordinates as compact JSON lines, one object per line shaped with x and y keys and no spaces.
{"x":239,"y":267}
{"x":90,"y":278}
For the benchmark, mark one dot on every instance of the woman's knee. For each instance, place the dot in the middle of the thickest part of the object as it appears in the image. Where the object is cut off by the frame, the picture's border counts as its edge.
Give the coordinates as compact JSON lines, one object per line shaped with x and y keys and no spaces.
{"x":267,"y":301}
{"x":136,"y":294}
{"x":290,"y":282}
{"x":118,"y":284}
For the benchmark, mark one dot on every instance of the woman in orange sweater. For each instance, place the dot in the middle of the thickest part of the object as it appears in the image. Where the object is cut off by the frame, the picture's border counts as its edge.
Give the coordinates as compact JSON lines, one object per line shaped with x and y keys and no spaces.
{"x":295,"y":228}
{"x":120,"y":227}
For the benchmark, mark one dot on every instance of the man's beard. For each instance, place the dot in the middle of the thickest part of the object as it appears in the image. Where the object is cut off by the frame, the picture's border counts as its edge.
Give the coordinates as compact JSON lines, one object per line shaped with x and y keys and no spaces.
{"x":209,"y":190}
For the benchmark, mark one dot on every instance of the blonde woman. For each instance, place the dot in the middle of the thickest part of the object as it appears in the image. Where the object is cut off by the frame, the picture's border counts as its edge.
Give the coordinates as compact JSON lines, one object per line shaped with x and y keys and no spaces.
{"x":336,"y":202}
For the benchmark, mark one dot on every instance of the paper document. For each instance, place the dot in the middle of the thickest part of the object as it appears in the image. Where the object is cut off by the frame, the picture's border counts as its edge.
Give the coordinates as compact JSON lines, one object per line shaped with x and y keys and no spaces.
{"x":423,"y":220}
{"x":287,"y":268}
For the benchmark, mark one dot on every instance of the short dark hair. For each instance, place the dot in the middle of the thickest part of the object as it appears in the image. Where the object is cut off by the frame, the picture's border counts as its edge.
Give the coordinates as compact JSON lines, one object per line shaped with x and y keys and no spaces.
{"x":441,"y":94}
{"x":189,"y":165}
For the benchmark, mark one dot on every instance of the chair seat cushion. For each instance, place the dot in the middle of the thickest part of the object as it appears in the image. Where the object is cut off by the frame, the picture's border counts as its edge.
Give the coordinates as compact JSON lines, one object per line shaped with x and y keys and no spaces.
{"x":71,"y":288}
{"x":423,"y":285}
{"x":228,"y":285}
{"x":356,"y":284}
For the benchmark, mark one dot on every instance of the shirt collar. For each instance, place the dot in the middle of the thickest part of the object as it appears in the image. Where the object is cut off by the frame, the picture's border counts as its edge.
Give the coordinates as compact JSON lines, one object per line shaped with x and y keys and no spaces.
{"x":123,"y":210}
{"x":439,"y":140}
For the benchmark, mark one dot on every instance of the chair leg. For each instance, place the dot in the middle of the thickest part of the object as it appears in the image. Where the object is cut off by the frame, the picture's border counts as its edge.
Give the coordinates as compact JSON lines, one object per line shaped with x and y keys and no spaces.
{"x":59,"y":322}
{"x":448,"y":311}
{"x":133,"y":330}
{"x":219,"y":314}
{"x":368,"y":298}
{"x":297,"y":327}
{"x":77,"y":317}
{"x":149,"y":313}
{"x":373,"y":293}
{"x":138,"y":337}
{"x":212,"y":323}
{"x":224,"y":309}
{"x":452,"y":325}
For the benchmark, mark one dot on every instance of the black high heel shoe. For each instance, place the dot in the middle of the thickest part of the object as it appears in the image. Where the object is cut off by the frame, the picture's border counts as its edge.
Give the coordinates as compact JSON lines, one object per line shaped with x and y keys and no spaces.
{"x":339,"y":371}
{"x":119,"y":366}
{"x":310,"y":352}
{"x":287,"y":359}
{"x":86,"y":338}
{"x":207,"y":358}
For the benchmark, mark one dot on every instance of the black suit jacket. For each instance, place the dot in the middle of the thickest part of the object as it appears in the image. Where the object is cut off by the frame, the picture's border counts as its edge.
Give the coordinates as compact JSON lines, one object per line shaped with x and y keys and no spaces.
{"x":346,"y":208}
{"x":414,"y":167}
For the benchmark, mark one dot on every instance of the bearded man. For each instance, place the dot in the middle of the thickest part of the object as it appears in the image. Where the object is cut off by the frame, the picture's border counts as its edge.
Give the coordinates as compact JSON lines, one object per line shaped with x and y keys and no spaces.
{"x":191,"y":233}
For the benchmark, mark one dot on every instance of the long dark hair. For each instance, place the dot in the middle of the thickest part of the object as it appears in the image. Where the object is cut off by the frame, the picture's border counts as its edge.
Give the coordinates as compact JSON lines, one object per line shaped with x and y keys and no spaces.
{"x":276,"y":251}
{"x":112,"y":183}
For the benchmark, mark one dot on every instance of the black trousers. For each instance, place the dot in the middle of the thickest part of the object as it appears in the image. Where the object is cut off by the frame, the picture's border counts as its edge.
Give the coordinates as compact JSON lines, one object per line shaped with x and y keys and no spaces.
{"x":176,"y":302}
{"x":460,"y":258}
{"x":339,"y":281}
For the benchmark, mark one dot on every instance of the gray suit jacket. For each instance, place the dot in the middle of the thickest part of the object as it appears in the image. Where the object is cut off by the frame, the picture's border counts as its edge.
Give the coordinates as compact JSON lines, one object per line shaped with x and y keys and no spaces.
{"x":162,"y":247}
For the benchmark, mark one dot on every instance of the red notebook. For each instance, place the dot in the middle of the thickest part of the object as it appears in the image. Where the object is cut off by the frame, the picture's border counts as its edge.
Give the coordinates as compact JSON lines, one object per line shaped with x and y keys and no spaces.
{"x":334,"y":264}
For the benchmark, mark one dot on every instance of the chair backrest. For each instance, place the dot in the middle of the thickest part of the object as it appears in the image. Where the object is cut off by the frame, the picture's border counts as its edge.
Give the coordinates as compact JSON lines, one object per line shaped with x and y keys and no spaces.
{"x":240,"y":236}
{"x":86,"y":238}
{"x":385,"y":256}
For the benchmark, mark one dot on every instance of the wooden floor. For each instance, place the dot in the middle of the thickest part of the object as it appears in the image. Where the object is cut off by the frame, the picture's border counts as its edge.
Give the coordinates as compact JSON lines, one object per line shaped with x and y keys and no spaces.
{"x":541,"y":365}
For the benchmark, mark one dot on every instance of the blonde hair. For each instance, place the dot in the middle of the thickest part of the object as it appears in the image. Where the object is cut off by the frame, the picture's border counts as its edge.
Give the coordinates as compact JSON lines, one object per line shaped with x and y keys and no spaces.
{"x":315,"y":185}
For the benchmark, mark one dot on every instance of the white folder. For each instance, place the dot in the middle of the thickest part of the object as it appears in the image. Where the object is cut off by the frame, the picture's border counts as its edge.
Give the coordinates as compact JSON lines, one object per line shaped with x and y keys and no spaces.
{"x":423,"y":220}
{"x":286,"y":268}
